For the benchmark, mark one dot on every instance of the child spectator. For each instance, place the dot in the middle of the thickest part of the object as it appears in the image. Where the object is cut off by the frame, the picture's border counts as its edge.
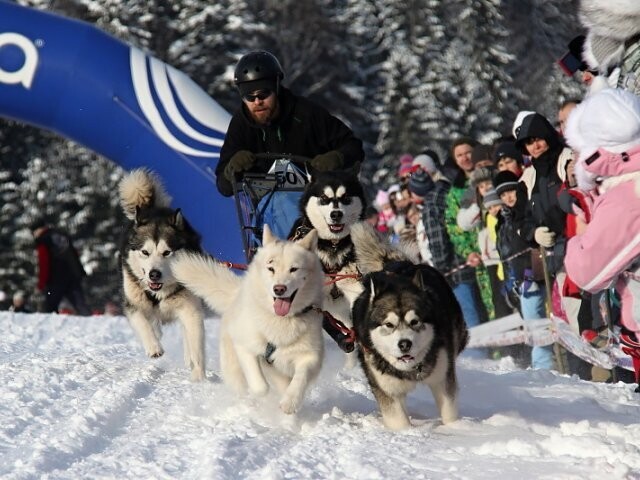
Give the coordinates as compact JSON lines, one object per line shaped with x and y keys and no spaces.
{"x":523,"y":283}
{"x":508,"y":157}
{"x":490,"y":257}
{"x":385,"y":212}
{"x":605,"y":130}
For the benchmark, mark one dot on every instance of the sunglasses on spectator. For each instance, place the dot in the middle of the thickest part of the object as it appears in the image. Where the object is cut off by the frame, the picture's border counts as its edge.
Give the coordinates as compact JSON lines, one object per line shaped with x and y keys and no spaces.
{"x":260,"y":95}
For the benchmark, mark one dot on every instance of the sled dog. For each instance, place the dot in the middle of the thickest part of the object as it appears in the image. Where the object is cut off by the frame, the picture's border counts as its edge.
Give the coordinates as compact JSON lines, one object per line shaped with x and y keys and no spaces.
{"x":152,"y":297}
{"x":410,"y":330}
{"x":270,"y":327}
{"x":331,"y":204}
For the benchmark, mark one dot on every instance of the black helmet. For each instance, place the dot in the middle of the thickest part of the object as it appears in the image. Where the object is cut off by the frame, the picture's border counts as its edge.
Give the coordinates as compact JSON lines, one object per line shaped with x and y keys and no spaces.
{"x":257,"y":65}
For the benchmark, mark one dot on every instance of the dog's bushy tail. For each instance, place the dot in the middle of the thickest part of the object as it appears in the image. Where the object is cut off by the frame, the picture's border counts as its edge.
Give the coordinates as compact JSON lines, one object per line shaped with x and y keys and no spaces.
{"x":209,"y":279}
{"x":373,"y":251}
{"x":142,"y":188}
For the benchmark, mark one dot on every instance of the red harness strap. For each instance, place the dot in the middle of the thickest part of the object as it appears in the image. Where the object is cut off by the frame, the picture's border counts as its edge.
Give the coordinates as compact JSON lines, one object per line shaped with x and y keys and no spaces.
{"x":336,"y":277}
{"x":237,"y":266}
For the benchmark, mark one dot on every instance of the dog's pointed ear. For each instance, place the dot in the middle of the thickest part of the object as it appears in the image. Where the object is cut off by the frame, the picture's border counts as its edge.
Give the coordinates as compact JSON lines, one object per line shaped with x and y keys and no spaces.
{"x":312,"y":173}
{"x":354,"y":169}
{"x":177,"y":219}
{"x":418,"y":280}
{"x":372,"y":291}
{"x":267,"y":235}
{"x":310,"y":241}
{"x":136,"y":217}
{"x":377,"y":284}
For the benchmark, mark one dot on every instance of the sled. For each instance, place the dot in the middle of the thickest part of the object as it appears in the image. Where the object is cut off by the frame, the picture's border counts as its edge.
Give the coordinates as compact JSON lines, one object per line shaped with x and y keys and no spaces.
{"x":270,"y":198}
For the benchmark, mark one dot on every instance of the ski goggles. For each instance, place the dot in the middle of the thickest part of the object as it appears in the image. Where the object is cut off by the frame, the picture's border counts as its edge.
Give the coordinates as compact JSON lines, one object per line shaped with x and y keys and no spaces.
{"x":259,"y":95}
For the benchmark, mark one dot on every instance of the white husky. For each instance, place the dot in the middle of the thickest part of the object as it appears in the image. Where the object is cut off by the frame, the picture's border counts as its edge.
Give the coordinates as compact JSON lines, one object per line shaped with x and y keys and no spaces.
{"x":270,"y":326}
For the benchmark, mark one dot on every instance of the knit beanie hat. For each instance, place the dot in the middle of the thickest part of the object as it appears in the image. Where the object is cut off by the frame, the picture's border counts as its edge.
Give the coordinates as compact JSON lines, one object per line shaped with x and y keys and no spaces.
{"x":491,"y":198}
{"x":507,"y":149}
{"x":382,"y":198}
{"x":420,"y":183}
{"x":405,"y":165}
{"x":395,"y":188}
{"x":480,"y":152}
{"x":425,"y":162}
{"x":480,"y":175}
{"x":505,"y":181}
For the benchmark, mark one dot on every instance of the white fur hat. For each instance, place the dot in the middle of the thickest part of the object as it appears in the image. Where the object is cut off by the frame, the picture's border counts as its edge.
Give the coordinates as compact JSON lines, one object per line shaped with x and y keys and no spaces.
{"x":609,"y":23}
{"x":608,"y":119}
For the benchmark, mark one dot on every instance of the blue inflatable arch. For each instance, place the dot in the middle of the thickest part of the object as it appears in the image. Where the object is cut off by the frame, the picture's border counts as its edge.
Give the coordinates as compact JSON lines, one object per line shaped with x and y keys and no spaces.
{"x":70,"y":77}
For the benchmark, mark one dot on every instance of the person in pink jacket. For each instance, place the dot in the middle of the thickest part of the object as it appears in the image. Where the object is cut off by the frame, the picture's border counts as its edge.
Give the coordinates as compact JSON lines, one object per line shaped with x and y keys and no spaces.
{"x":605,"y":130}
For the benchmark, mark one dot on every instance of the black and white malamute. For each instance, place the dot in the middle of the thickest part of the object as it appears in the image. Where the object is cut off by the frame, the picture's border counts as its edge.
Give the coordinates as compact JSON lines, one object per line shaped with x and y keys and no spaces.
{"x":409,"y":327}
{"x":152,"y":296}
{"x":331,"y":204}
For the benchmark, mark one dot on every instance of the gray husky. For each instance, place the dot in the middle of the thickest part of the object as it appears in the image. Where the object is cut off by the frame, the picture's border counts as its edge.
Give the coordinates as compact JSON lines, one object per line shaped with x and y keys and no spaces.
{"x":409,"y":328}
{"x":152,"y":296}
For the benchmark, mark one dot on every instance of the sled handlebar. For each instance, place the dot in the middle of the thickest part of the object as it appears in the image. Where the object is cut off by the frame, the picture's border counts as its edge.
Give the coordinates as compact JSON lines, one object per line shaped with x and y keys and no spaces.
{"x":299,"y":160}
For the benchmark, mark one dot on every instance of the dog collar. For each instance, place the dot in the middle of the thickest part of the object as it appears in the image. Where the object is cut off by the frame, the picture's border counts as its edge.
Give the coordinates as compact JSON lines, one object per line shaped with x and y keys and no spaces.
{"x":306,"y":309}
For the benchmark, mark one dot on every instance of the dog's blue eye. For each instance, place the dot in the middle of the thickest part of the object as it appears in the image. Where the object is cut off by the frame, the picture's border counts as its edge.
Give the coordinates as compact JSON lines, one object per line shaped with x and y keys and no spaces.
{"x":293,"y":269}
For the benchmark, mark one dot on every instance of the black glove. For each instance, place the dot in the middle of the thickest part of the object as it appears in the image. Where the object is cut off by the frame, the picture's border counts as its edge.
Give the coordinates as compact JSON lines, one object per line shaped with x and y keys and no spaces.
{"x":566,"y":201}
{"x":241,"y":161}
{"x":332,"y":160}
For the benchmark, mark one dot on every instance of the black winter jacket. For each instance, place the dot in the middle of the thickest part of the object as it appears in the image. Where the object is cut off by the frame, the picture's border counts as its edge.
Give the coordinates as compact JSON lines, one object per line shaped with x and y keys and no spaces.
{"x":303,"y":128}
{"x":508,"y":240}
{"x":543,"y":208}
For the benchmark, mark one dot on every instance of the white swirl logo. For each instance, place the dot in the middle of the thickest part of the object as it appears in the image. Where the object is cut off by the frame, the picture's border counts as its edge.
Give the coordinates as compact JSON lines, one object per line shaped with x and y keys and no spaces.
{"x":175,"y":91}
{"x":27,"y":71}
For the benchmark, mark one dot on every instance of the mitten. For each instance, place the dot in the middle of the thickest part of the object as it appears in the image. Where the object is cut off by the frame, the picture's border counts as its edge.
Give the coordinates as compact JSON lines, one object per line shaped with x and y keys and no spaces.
{"x":332,"y":160}
{"x":241,"y":161}
{"x":544,"y":237}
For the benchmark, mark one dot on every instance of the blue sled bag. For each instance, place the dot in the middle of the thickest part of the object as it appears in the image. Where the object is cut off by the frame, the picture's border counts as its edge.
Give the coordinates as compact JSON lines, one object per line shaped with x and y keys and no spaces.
{"x":280,"y":207}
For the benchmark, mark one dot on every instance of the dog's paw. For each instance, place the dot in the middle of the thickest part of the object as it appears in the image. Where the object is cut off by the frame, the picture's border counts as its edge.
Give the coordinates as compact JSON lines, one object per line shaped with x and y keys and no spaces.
{"x":155,"y":353}
{"x":351,"y":361}
{"x":289,"y":404}
{"x":259,"y":390}
{"x":198,"y":375}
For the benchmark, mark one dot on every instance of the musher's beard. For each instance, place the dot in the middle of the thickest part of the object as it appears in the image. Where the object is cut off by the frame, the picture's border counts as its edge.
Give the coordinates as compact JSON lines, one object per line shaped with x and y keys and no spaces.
{"x":263,"y":113}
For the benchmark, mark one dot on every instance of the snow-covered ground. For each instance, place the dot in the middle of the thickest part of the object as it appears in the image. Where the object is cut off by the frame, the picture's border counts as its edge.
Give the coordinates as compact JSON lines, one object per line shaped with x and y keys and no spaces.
{"x":80,"y":400}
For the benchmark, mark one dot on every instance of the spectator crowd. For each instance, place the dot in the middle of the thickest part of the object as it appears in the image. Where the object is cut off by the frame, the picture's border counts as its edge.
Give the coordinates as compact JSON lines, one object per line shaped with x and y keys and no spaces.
{"x":543,"y":221}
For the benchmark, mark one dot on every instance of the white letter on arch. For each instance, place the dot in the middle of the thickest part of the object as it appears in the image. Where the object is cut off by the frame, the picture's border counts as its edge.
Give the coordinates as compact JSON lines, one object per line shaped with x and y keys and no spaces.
{"x":24,"y":74}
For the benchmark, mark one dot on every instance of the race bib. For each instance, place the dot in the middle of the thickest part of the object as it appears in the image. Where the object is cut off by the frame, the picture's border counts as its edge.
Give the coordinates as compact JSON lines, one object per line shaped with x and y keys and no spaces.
{"x":288,"y":174}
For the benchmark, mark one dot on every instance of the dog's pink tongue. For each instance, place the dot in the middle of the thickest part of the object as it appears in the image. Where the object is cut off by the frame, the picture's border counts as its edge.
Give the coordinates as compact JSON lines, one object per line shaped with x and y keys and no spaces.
{"x":281,"y":306}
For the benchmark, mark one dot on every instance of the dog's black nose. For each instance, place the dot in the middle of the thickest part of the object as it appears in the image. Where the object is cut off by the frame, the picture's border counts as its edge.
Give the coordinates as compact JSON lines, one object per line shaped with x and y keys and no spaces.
{"x":336,"y":215}
{"x":155,"y":275}
{"x":404,"y":345}
{"x":279,"y":290}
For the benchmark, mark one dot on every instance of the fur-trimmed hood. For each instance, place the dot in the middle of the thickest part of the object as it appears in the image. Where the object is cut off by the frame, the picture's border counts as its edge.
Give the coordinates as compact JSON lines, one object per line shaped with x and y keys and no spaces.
{"x":605,"y":130}
{"x":609,"y":24}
